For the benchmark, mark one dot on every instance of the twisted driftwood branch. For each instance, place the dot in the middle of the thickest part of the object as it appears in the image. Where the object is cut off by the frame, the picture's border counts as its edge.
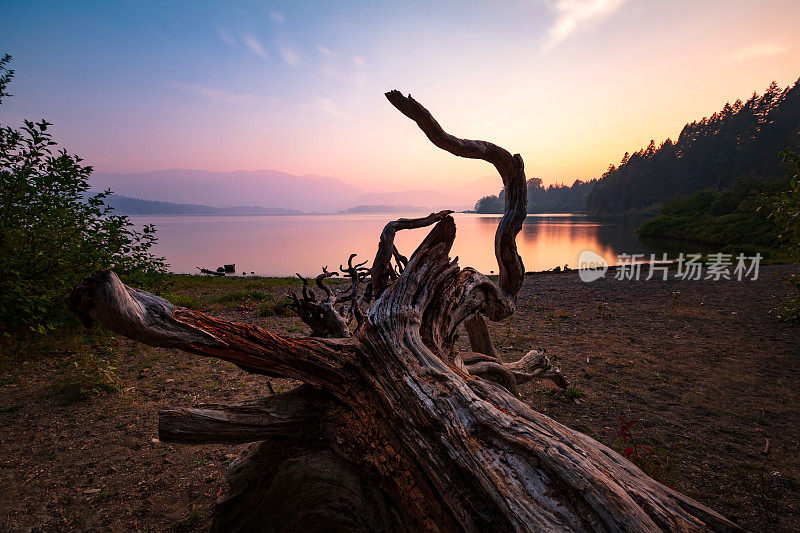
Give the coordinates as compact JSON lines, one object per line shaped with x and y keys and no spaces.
{"x":358,"y":274}
{"x":405,"y":438}
{"x":512,"y":171}
{"x":293,"y":415}
{"x":381,"y":267}
{"x":323,"y":318}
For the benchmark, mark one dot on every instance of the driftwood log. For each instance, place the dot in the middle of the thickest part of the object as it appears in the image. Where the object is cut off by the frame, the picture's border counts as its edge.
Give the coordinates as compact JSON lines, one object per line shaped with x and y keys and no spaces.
{"x":394,"y":429}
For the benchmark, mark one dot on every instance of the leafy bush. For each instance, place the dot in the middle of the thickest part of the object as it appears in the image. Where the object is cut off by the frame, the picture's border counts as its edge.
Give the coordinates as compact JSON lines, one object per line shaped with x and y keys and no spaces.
{"x":53,"y":232}
{"x":789,"y":309}
{"x":785,"y":206}
{"x":785,"y":211}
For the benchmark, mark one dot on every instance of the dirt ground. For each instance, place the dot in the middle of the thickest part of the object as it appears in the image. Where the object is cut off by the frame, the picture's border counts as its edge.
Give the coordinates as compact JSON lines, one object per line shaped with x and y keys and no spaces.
{"x":692,"y":378}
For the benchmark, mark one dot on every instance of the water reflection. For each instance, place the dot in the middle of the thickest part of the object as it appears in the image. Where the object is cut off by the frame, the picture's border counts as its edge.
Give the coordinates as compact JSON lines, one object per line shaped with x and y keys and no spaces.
{"x":550,"y":240}
{"x":283,"y":245}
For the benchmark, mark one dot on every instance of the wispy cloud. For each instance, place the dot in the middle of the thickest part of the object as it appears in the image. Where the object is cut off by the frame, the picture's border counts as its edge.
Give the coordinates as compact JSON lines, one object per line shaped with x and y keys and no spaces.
{"x":277,"y":17}
{"x":347,"y":74}
{"x":213,"y":93}
{"x":758,"y":50}
{"x":324,"y":50}
{"x":350,"y":70}
{"x":329,"y":107}
{"x":252,"y":42}
{"x":572,"y":15}
{"x":291,"y":57}
{"x":226,"y":37}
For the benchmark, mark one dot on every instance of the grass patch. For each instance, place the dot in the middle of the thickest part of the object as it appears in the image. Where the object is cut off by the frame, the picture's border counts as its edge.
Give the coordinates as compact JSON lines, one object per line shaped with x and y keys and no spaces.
{"x":182,"y":300}
{"x":209,"y":292}
{"x":274,"y":307}
{"x":182,"y":283}
{"x":149,"y":360}
{"x":237,"y":297}
{"x":104,"y":497}
{"x":189,"y":523}
{"x":83,"y":358}
{"x":85,"y":376}
{"x":573,"y":393}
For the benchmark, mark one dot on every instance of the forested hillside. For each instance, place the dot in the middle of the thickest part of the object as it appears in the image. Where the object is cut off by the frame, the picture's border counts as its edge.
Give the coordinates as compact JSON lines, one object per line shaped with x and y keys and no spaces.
{"x":742,"y":139}
{"x":553,"y":199}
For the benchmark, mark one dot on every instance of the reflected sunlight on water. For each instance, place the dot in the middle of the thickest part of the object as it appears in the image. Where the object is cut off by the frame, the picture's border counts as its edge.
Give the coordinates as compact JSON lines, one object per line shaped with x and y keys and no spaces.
{"x":283,"y":245}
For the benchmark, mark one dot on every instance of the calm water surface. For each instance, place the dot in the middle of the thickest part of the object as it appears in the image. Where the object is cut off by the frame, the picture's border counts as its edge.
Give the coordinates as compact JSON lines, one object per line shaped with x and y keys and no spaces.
{"x":283,"y":245}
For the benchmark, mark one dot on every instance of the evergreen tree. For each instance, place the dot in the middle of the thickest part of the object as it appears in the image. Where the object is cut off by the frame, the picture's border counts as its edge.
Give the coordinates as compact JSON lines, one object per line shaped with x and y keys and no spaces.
{"x":741,"y":139}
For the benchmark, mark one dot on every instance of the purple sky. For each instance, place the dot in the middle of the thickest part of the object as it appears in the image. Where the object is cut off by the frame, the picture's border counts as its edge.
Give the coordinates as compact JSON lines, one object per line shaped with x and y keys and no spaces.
{"x":298,"y":86}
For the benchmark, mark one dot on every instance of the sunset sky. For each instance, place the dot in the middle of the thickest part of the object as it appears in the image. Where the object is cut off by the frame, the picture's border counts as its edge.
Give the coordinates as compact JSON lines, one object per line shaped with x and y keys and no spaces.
{"x":298,"y":86}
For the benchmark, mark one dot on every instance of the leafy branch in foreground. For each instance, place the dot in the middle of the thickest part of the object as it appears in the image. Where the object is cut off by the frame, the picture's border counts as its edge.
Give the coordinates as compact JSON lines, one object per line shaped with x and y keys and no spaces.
{"x":53,"y":230}
{"x":785,"y":211}
{"x":785,"y":206}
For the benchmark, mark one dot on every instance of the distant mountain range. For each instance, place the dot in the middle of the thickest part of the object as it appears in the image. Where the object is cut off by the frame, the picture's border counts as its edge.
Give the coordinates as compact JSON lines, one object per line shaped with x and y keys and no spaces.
{"x":124,"y":205}
{"x":277,"y":191}
{"x":268,"y":188}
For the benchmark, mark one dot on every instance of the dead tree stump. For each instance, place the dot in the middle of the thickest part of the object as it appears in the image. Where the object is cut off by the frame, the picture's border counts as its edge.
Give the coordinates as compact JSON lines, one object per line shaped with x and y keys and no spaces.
{"x":394,"y":429}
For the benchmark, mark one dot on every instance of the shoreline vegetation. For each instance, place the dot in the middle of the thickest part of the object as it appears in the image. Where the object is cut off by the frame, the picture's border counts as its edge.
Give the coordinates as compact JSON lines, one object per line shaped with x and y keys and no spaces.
{"x":752,"y":215}
{"x":731,"y":220}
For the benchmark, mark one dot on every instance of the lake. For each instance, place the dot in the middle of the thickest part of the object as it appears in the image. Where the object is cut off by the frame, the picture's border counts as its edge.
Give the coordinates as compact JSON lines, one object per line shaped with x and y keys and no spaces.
{"x":283,"y":245}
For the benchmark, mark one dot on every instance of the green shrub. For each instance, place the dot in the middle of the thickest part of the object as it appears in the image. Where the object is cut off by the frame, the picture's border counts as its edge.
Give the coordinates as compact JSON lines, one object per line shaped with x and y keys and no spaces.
{"x":53,"y":231}
{"x":729,"y":218}
{"x":789,"y":308}
{"x":784,"y":206}
{"x":784,"y":209}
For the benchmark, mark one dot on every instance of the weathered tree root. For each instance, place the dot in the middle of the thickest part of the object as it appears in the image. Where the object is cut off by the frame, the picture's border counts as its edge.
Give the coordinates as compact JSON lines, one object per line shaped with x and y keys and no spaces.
{"x":391,"y":431}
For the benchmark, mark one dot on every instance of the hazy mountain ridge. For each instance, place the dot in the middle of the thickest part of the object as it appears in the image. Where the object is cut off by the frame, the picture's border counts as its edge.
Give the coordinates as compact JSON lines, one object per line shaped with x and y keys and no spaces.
{"x":279,"y":190}
{"x":125,"y":205}
{"x":230,"y":189}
